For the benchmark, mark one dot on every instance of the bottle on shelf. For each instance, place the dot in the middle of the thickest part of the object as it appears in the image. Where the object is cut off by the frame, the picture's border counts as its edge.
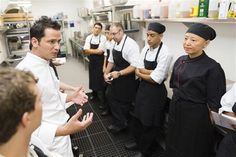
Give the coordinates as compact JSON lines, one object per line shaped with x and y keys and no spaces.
{"x":164,"y":9}
{"x":223,"y":10}
{"x":172,"y":8}
{"x":203,"y":8}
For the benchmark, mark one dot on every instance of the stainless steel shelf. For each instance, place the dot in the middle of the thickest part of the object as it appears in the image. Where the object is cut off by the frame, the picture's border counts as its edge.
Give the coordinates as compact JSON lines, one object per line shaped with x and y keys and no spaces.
{"x":17,"y":35}
{"x":131,"y":30}
{"x":189,"y":20}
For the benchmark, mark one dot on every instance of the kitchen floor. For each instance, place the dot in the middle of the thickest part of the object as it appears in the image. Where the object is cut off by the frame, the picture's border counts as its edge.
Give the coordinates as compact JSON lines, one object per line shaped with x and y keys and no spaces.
{"x":95,"y":141}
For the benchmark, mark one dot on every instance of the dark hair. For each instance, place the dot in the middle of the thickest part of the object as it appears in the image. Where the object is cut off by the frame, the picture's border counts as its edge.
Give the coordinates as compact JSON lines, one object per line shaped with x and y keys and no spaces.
{"x":38,"y":29}
{"x":98,"y":23}
{"x":107,"y":28}
{"x":16,"y":98}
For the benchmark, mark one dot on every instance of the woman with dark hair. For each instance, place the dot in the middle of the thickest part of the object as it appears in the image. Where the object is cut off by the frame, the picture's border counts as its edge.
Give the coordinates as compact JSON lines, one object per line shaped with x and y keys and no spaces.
{"x":198,"y":83}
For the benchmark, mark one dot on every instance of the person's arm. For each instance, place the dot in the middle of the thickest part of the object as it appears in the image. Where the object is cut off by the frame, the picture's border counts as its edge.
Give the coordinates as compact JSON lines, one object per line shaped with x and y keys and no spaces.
{"x":216,"y":88}
{"x":93,"y":51}
{"x":75,"y":125}
{"x":144,"y":76}
{"x":64,"y":86}
{"x":123,"y":72}
{"x":104,"y":64}
{"x":145,"y":71}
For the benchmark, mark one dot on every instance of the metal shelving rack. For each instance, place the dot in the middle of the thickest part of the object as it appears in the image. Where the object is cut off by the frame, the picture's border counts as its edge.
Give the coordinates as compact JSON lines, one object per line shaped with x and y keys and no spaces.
{"x":22,"y":34}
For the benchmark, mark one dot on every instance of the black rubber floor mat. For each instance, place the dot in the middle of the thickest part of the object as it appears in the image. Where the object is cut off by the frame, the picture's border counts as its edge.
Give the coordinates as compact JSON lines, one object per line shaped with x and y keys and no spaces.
{"x":100,"y":139}
{"x":84,"y":144}
{"x":107,"y":151}
{"x":95,"y":128}
{"x":96,"y":141}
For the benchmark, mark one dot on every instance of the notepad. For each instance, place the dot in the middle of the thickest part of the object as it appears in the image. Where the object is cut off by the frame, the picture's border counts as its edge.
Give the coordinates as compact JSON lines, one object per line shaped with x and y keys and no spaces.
{"x":223,"y":120}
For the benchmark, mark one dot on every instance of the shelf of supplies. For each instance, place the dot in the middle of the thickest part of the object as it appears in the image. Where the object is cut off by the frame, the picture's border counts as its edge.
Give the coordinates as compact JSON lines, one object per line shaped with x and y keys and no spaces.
{"x":131,"y":30}
{"x":20,"y":52}
{"x":105,"y":9}
{"x":17,"y":35}
{"x":3,"y":29}
{"x":125,"y":10}
{"x":189,"y":20}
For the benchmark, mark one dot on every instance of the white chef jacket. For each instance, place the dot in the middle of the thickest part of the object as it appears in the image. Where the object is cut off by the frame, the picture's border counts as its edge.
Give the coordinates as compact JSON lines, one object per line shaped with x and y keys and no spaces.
{"x":164,"y":60}
{"x":130,"y":51}
{"x":95,"y":40}
{"x":109,"y":46}
{"x":54,"y":112}
{"x":228,"y":100}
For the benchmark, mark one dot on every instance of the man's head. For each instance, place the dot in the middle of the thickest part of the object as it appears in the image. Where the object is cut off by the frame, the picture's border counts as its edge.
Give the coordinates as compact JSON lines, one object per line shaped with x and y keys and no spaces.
{"x":45,"y":38}
{"x":154,"y":34}
{"x":97,"y":28}
{"x":20,"y":103}
{"x":117,"y":32}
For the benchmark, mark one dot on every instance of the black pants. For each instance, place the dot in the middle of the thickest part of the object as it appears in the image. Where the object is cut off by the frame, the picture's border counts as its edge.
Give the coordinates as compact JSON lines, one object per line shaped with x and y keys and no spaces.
{"x":120,"y":112}
{"x":227,"y":146}
{"x":145,"y":136}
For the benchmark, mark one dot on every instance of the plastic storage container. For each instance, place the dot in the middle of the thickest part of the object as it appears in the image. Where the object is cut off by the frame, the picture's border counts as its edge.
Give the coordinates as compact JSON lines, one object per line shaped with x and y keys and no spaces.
{"x":213,"y":9}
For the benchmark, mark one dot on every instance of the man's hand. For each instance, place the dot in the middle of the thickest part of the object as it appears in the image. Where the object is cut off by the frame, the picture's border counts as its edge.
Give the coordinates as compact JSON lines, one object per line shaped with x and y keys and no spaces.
{"x":79,"y":97}
{"x":99,"y":51}
{"x":108,"y":78}
{"x":75,"y":125}
{"x":115,"y":74}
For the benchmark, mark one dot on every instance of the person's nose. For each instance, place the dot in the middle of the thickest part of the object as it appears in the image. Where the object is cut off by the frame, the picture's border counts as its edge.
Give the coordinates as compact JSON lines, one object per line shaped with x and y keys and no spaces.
{"x":187,"y":42}
{"x":57,"y":45}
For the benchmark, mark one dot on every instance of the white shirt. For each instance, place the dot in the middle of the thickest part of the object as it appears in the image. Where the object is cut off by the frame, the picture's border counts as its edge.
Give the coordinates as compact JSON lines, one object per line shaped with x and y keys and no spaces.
{"x":164,"y":60}
{"x":95,"y":40}
{"x":54,"y":113}
{"x":228,"y":100}
{"x":109,"y":46}
{"x":130,"y":51}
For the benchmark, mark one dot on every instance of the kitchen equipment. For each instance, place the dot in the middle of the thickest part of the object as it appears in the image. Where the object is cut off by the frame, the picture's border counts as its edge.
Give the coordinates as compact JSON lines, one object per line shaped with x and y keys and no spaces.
{"x":118,"y":2}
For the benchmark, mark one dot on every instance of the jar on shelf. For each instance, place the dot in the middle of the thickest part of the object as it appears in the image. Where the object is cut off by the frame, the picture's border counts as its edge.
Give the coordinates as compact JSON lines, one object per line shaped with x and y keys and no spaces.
{"x":213,"y":9}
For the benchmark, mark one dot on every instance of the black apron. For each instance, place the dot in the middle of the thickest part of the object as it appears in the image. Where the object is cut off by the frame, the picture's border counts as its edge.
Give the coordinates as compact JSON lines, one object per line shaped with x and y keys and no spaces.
{"x":151,"y":98}
{"x":195,"y":137}
{"x":122,"y":88}
{"x":96,"y":80}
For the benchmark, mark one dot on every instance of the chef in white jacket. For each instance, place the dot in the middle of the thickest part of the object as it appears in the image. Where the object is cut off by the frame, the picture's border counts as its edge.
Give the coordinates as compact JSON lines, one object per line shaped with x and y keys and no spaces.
{"x":55,"y":127}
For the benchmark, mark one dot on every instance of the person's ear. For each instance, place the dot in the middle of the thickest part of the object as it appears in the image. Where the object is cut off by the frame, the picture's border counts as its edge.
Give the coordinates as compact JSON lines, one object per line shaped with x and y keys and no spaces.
{"x":25,"y":120}
{"x":206,"y":43}
{"x":34,"y":42}
{"x":161,"y":35}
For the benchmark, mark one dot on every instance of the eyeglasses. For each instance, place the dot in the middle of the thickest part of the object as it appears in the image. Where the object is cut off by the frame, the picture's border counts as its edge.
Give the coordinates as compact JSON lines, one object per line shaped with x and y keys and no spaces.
{"x":115,"y":33}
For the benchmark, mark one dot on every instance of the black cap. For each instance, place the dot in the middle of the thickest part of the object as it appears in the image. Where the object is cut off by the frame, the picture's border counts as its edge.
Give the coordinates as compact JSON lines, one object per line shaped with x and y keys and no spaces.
{"x":203,"y":31}
{"x":156,"y":27}
{"x":107,"y":28}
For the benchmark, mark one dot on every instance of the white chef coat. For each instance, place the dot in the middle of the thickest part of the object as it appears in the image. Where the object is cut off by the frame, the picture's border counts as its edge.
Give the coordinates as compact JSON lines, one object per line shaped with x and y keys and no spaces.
{"x":130,"y":51}
{"x":95,"y":40}
{"x":164,"y":60}
{"x":228,"y":100}
{"x":54,"y":112}
{"x":109,"y":46}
